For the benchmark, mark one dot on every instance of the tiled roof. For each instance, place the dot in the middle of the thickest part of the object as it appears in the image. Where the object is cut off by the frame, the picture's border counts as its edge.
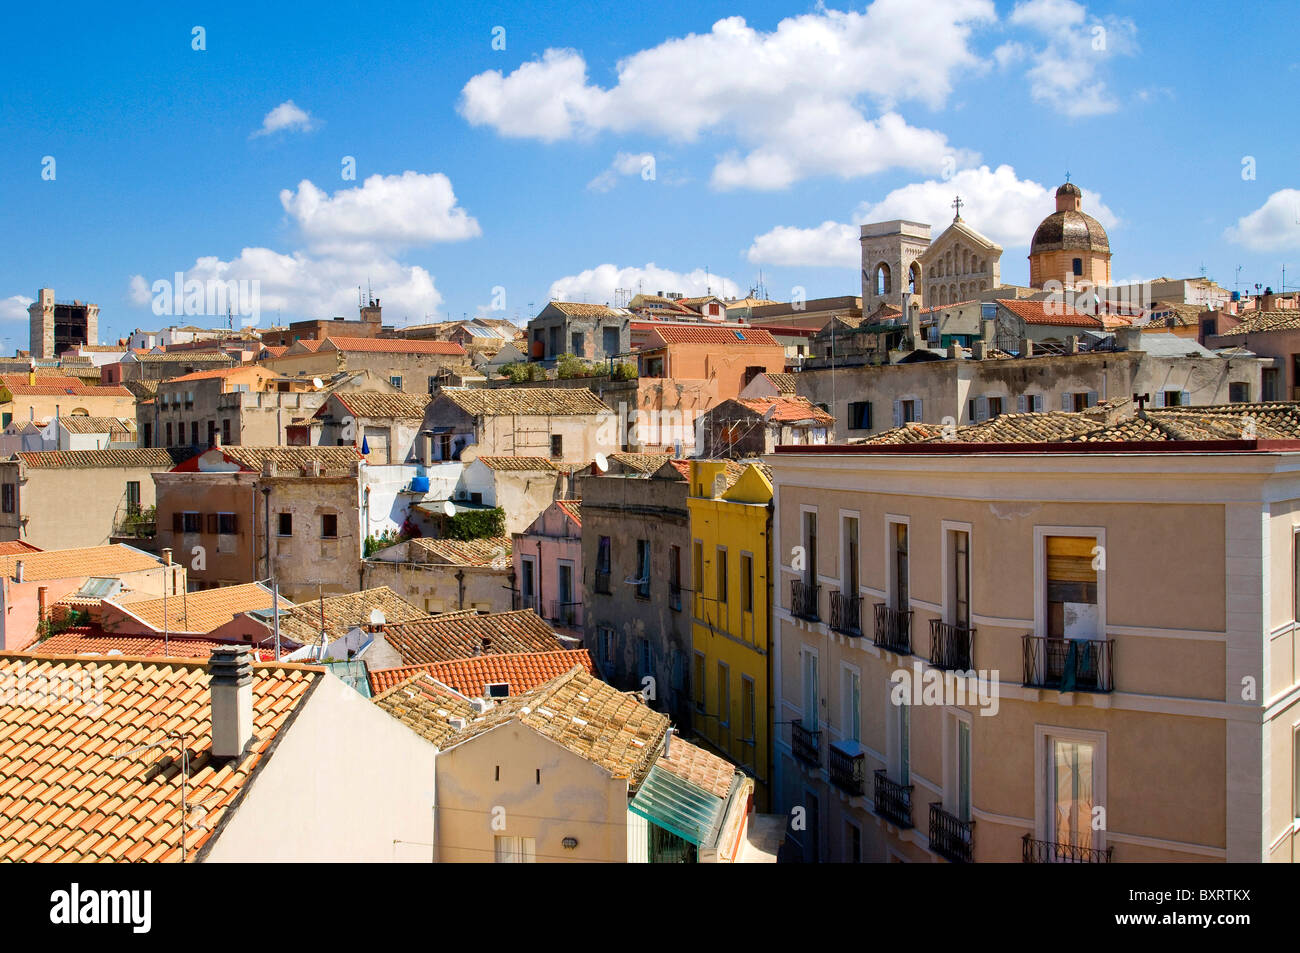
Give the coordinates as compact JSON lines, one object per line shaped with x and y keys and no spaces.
{"x":81,"y":390}
{"x":517,"y":463}
{"x":490,"y":553}
{"x":395,"y":346}
{"x":707,"y":334}
{"x":787,"y":409}
{"x":1263,"y":321}
{"x":698,"y":766}
{"x":72,"y":563}
{"x":154,"y":458}
{"x":372,"y":404}
{"x":275,"y":350}
{"x":180,"y":357}
{"x":55,"y":379}
{"x":293,"y":458}
{"x":80,"y":423}
{"x":425,"y":707}
{"x":578,"y":309}
{"x":572,"y":509}
{"x":534,"y":401}
{"x":1059,"y":314}
{"x":99,"y":779}
{"x":596,"y":721}
{"x":784,"y":383}
{"x":521,"y":671}
{"x":92,"y":640}
{"x":459,"y":635}
{"x":641,"y":462}
{"x":141,"y":388}
{"x":203,"y":610}
{"x":218,"y":373}
{"x":11,"y":546}
{"x":302,"y":623}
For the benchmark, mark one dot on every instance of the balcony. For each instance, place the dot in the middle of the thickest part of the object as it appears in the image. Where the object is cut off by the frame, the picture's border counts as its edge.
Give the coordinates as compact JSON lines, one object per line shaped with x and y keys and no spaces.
{"x":804,"y":598}
{"x":952,"y":647}
{"x":847,"y":763}
{"x":806,"y":743}
{"x":1069,"y":665}
{"x":894,"y":629}
{"x":846,"y":613}
{"x":520,"y":601}
{"x":893,"y":800}
{"x":1051,"y":852}
{"x":567,"y":614}
{"x":950,"y":836}
{"x":602,"y":583}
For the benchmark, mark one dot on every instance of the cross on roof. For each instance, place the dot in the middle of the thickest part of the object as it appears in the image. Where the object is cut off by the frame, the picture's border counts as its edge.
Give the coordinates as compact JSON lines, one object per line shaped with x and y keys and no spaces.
{"x":957,"y":203}
{"x":1067,"y":178}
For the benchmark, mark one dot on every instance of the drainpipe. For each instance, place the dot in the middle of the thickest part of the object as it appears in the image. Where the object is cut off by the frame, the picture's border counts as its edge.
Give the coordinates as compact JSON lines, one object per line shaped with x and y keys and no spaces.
{"x":460,"y":587}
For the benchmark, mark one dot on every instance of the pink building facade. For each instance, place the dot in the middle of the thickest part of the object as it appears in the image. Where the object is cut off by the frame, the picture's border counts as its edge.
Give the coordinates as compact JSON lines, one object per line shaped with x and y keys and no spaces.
{"x":548,"y":565}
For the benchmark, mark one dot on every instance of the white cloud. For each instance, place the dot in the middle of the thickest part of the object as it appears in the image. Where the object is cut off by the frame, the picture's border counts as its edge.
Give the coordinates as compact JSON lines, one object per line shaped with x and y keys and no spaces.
{"x":830,"y":244}
{"x":597,"y":285}
{"x":624,"y":164}
{"x":995,"y":202}
{"x":407,"y":209}
{"x":285,"y":117}
{"x":1066,"y":69}
{"x":14,"y":308}
{"x":1273,"y":226}
{"x":790,"y":96}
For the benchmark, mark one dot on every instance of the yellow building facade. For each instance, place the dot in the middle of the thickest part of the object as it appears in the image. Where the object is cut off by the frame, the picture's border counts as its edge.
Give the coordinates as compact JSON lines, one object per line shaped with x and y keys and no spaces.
{"x":730,"y":529}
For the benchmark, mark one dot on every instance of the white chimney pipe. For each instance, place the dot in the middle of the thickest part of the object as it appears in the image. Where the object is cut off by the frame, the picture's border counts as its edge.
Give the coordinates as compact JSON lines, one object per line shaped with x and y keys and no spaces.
{"x":231,"y":685}
{"x":18,"y":571}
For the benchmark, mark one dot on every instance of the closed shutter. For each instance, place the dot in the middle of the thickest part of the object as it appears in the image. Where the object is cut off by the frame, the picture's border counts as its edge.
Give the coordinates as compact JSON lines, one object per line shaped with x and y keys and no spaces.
{"x":1185,"y":399}
{"x":981,"y":409}
{"x":920,"y":414}
{"x":898,"y":413}
{"x":212,"y":524}
{"x":177,"y":524}
{"x":1067,"y":401}
{"x":1092,"y":398}
{"x":1021,"y":404}
{"x":1160,"y":398}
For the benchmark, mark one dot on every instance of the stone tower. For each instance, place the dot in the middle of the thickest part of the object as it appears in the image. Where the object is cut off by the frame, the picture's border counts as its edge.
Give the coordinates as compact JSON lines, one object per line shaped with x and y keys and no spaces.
{"x":55,"y":326}
{"x":1069,"y":246}
{"x":891,"y":272}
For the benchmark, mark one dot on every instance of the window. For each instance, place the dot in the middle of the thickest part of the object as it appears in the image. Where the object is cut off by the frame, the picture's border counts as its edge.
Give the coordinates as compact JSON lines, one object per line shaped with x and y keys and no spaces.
{"x":906,"y":412}
{"x":444,"y":446}
{"x":1029,"y":403}
{"x":963,"y":770}
{"x":496,"y":690}
{"x":526,"y":583}
{"x":811,"y":691}
{"x":1238,"y":392}
{"x":227,"y":524}
{"x":647,"y":659}
{"x":722,"y":575}
{"x":748,"y":716}
{"x":602,"y":564}
{"x":148,"y":435}
{"x":899,"y":591}
{"x":1071,"y":776}
{"x":169,"y":433}
{"x":1295,"y":572}
{"x":810,"y":548}
{"x":605,"y":646}
{"x":849,"y":582}
{"x":395,"y":381}
{"x":515,"y":850}
{"x":189,"y":399}
{"x":959,"y":578}
{"x":212,"y":432}
{"x":225,"y":431}
{"x":675,"y":578}
{"x":860,"y":415}
{"x":557,"y":445}
{"x":286,"y":524}
{"x":852,"y":843}
{"x":994,"y":407}
{"x":190,"y":523}
{"x":194,"y":433}
{"x":577,"y":339}
{"x":1079,"y":400}
{"x":746,"y":582}
{"x":1173,"y":398}
{"x":699,"y":681}
{"x":133,"y":496}
{"x":903,"y":742}
{"x":1295,"y":770}
{"x":724,"y":705}
{"x":1077,"y":266}
{"x":643,"y":568}
{"x":1072,"y":610}
{"x":852,"y":701}
{"x":8,"y":498}
{"x":329,"y":526}
{"x":433,"y":384}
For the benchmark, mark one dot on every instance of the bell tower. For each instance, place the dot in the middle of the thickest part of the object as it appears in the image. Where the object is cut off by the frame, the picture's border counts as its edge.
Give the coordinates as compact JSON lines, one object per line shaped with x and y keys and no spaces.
{"x":891,"y":271}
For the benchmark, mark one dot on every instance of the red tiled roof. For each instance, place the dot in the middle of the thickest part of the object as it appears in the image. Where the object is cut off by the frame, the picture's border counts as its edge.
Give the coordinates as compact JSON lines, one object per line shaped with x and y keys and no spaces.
{"x":14,"y":547}
{"x":787,"y":409}
{"x":54,"y":390}
{"x":706,"y":334}
{"x":572,"y":509}
{"x":521,"y":671}
{"x":461,"y":635}
{"x":92,"y":640}
{"x":217,"y":372}
{"x":395,"y":346}
{"x":1057,"y":313}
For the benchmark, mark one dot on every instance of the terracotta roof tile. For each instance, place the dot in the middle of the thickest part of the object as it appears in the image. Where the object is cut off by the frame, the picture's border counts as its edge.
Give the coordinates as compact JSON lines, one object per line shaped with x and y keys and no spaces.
{"x":490,"y":553}
{"x":203,"y":610}
{"x":517,"y":463}
{"x":579,"y":309}
{"x":154,"y":458}
{"x":707,"y":334}
{"x":526,"y":401}
{"x":520,"y":671}
{"x":787,"y":409}
{"x":111,"y":734}
{"x":1263,"y":321}
{"x":461,"y":635}
{"x":92,"y":640}
{"x":373,"y":404}
{"x":72,"y":563}
{"x":698,"y":766}
{"x":302,"y":623}
{"x":425,"y":707}
{"x":13,"y":547}
{"x":572,"y":509}
{"x":394,"y":346}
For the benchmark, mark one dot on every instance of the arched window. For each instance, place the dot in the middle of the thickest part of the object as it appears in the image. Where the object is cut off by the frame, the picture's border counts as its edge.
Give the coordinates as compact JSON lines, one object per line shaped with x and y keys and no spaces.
{"x":914,"y":278}
{"x":884,"y":284}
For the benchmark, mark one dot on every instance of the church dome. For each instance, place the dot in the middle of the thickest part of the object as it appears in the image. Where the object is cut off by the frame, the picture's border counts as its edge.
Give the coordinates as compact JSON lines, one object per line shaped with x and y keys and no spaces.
{"x":1069,"y":228}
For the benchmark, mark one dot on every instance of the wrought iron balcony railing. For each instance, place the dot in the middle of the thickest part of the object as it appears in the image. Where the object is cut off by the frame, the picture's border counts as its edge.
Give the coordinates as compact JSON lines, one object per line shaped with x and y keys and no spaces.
{"x":804,"y":598}
{"x":950,"y":836}
{"x":1035,"y":851}
{"x":806,"y":743}
{"x":846,"y":613}
{"x":520,"y":601}
{"x":952,"y":647}
{"x":893,"y":800}
{"x":848,"y":768}
{"x":568,"y":614}
{"x":894,"y":629}
{"x":602,"y":582}
{"x":1069,"y":665}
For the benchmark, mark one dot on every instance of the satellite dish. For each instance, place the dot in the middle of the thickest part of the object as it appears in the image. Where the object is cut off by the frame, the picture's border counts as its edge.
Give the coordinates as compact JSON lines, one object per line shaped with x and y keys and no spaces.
{"x":602,"y":463}
{"x":449,"y":507}
{"x":377,"y":617}
{"x":317,"y":383}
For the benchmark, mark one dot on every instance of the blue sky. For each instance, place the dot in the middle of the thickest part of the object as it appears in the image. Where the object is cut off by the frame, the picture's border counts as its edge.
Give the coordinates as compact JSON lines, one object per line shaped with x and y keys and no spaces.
{"x":486,"y":176}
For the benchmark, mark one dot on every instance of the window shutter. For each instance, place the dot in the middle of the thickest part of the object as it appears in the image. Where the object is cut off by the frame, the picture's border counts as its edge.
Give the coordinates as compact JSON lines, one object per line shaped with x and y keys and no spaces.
{"x":981,"y":409}
{"x":1067,"y":401}
{"x":867,"y":422}
{"x":234,"y":522}
{"x":177,"y":523}
{"x":898,"y":413}
{"x":920,"y":414}
{"x":212,"y":524}
{"x":1038,"y":403}
{"x":1021,"y":403}
{"x":1186,"y":398}
{"x":1092,"y":398}
{"x":1160,"y":398}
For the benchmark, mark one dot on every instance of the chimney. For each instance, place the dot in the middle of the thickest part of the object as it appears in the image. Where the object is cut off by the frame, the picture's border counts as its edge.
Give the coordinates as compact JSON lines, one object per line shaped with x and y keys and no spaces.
{"x":18,"y":571}
{"x":1026,"y":347}
{"x":41,"y":608}
{"x":668,"y":741}
{"x":484,"y":645}
{"x":980,"y":350}
{"x":231,"y":681}
{"x":1072,"y":344}
{"x":988,"y":329}
{"x":167,"y":555}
